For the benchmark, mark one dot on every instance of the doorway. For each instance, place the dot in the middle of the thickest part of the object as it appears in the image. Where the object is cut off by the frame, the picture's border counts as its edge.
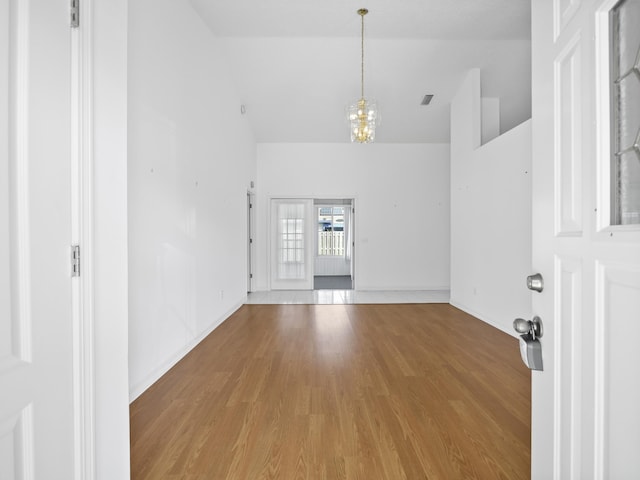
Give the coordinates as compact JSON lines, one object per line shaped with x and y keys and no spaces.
{"x":334,"y":244}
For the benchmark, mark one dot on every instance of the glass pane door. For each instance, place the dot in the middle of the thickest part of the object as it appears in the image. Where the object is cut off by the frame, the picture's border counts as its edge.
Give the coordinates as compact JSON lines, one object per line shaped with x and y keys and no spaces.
{"x":291,"y":255}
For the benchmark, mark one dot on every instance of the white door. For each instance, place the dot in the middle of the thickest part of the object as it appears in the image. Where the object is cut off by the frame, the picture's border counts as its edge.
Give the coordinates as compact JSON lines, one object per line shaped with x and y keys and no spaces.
{"x":292,"y":232}
{"x":585,"y":404}
{"x":36,"y":328}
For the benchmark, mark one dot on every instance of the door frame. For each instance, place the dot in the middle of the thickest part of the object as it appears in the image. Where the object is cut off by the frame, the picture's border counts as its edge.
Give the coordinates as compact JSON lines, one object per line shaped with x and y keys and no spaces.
{"x":82,"y":209}
{"x":353,"y":242}
{"x":100,"y":358}
{"x":352,"y":230}
{"x":250,"y":234}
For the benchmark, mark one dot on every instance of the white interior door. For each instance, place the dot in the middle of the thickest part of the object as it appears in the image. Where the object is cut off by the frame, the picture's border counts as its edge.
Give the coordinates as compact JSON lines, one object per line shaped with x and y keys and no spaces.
{"x":292,"y":231}
{"x":585,"y":415}
{"x":36,"y":331}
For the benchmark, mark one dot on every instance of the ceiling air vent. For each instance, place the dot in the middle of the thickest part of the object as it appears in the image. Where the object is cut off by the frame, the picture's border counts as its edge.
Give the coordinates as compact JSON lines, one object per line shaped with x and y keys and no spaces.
{"x":426,"y":100}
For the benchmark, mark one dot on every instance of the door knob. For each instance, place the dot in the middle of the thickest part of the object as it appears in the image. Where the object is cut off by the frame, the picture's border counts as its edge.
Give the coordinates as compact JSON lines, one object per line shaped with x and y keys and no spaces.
{"x":530,"y":347}
{"x":532,"y":327}
{"x":535,"y":282}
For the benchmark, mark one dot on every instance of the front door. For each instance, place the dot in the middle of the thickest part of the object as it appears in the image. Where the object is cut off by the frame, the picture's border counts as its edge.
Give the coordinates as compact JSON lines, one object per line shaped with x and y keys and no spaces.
{"x":36,"y":328}
{"x":585,"y":415}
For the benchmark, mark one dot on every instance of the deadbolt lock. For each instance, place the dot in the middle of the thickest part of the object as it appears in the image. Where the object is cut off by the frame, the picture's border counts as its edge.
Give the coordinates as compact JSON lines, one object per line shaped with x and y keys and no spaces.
{"x":535,"y":282}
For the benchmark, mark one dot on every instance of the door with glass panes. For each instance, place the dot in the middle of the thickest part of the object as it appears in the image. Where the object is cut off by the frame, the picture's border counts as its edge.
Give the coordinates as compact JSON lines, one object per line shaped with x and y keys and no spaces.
{"x":586,"y":238}
{"x":292,"y":243}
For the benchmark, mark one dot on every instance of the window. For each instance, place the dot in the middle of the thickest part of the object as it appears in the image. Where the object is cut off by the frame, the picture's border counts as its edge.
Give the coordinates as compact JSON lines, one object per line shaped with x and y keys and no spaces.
{"x":331,"y":234}
{"x":625,"y":112}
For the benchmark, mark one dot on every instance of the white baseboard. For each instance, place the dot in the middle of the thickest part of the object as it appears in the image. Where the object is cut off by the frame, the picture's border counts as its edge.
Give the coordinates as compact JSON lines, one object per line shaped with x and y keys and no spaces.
{"x":395,"y":288}
{"x":155,"y":375}
{"x":485,"y":319}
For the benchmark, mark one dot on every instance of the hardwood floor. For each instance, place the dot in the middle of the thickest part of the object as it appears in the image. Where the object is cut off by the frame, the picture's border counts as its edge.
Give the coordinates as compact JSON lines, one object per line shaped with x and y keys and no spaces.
{"x":414,"y":391}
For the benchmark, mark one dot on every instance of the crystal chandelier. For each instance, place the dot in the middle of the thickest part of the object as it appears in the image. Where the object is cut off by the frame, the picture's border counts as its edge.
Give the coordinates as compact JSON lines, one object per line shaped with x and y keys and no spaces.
{"x":363,"y":114}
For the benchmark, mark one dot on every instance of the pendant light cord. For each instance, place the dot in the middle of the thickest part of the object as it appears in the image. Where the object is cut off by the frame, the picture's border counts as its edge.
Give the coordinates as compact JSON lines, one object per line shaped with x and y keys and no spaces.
{"x":362,"y":56}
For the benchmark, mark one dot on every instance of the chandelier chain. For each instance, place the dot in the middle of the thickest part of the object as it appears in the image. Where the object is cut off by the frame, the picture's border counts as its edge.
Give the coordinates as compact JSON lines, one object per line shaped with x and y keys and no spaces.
{"x":362,"y":57}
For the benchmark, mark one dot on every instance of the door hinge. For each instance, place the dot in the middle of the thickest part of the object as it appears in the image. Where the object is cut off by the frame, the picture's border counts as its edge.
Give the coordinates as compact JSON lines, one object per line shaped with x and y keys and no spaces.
{"x":75,"y":260}
{"x":75,"y":13}
{"x":251,"y":240}
{"x":251,"y":275}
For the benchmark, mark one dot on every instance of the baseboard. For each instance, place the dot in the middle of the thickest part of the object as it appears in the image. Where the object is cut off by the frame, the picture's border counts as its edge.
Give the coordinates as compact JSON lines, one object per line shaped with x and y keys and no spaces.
{"x":438,"y":288}
{"x":395,"y":288}
{"x":479,"y":316}
{"x":154,"y":376}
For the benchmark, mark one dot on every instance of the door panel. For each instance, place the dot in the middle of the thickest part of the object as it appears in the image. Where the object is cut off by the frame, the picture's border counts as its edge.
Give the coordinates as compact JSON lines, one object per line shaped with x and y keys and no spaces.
{"x":568,"y":381}
{"x":618,"y":381}
{"x":568,"y":157}
{"x":584,"y":425}
{"x":36,"y":350}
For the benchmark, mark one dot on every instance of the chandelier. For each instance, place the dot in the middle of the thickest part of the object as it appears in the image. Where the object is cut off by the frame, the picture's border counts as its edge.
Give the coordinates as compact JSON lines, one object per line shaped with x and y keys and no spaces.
{"x":363,"y":115}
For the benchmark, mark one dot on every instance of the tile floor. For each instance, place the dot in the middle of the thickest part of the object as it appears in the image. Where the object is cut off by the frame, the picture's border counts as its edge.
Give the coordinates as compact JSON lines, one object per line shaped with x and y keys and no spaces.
{"x":341,"y":297}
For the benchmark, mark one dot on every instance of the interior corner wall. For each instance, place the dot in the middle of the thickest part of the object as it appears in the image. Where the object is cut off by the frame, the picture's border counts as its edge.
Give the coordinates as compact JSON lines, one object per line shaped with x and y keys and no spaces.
{"x":401,"y":194}
{"x":490,"y":214}
{"x":191,"y":159}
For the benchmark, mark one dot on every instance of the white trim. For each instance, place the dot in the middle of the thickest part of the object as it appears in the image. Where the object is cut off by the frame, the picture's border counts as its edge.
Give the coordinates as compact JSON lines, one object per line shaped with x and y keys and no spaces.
{"x":603,"y":120}
{"x":157,"y":373}
{"x":82,"y":234}
{"x":21,"y":155}
{"x":603,"y":224}
{"x":402,"y":288}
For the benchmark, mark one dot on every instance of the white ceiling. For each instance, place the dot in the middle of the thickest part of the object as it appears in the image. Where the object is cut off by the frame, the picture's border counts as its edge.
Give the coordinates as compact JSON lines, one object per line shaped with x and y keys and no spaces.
{"x":296,"y":63}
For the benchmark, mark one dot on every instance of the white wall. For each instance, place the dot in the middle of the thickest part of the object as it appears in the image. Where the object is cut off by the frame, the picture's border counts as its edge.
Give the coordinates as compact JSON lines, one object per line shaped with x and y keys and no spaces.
{"x":191,"y":159}
{"x":490,"y":214}
{"x":402,"y":206}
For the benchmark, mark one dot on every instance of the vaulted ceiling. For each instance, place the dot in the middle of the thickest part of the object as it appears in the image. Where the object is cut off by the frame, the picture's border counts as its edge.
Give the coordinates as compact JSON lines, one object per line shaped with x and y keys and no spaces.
{"x":296,"y":63}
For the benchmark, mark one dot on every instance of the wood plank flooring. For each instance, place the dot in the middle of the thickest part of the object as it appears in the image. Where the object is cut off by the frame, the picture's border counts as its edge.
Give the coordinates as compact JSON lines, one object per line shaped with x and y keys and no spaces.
{"x":418,"y":391}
